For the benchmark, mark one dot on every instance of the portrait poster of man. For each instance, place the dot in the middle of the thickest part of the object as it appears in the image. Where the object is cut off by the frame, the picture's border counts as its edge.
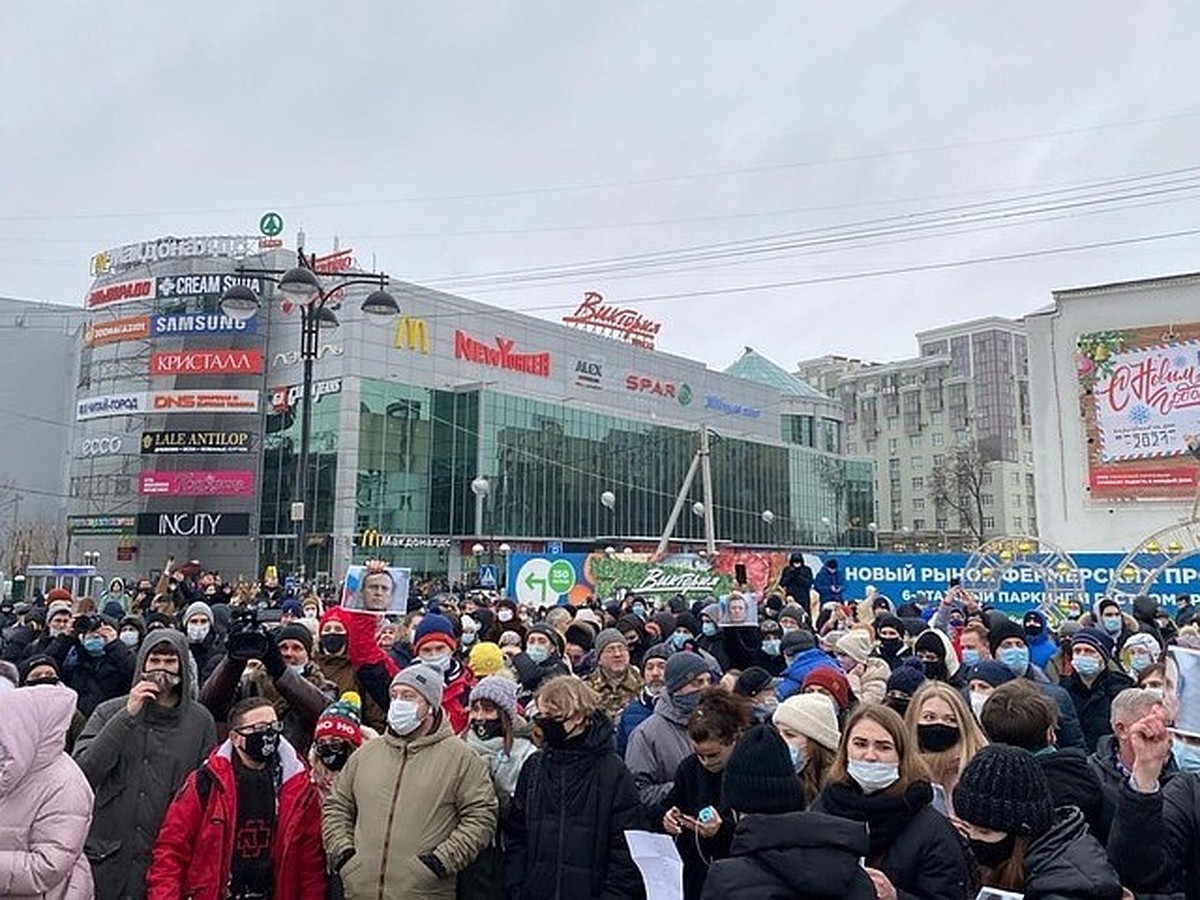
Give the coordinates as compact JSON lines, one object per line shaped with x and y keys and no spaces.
{"x":376,"y":588}
{"x":738,"y":610}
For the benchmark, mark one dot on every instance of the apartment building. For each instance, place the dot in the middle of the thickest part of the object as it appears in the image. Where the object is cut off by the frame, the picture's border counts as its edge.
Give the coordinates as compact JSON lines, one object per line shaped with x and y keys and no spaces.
{"x":949,"y":431}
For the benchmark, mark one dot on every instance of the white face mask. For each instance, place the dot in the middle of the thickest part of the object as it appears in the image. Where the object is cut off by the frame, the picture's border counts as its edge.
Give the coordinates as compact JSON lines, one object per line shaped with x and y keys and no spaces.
{"x":504,"y":615}
{"x":873,"y":777}
{"x":129,"y":638}
{"x":441,"y":662}
{"x":197,"y":633}
{"x":977,"y":700}
{"x":402,"y":717}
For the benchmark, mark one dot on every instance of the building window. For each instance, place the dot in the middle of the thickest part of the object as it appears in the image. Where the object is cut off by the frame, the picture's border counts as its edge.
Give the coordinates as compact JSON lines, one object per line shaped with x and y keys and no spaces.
{"x":939,"y":439}
{"x":989,"y":522}
{"x":916,"y":462}
{"x":893,"y":445}
{"x":918,"y":503}
{"x":918,"y":524}
{"x":942,"y":524}
{"x":918,"y":483}
{"x":938,"y":418}
{"x":987,"y":499}
{"x":1018,"y":524}
{"x":914,"y":442}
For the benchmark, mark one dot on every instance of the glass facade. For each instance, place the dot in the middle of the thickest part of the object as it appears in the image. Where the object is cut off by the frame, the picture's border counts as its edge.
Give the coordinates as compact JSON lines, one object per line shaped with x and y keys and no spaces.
{"x":547,"y":465}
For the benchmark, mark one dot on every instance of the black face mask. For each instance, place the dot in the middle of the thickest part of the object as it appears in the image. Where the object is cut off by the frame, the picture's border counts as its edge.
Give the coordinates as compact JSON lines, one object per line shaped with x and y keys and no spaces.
{"x":333,"y":644}
{"x":553,"y":731}
{"x":486,"y":729}
{"x":936,"y":737}
{"x":1033,"y":629}
{"x":261,"y":746}
{"x":890,"y":646}
{"x":990,"y":854}
{"x":333,"y":756}
{"x":34,"y":682}
{"x":936,"y":670}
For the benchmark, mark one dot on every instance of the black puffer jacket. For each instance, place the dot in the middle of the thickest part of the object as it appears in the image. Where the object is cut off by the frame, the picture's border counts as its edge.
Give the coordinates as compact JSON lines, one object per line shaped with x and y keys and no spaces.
{"x":1067,"y":862}
{"x":566,"y":827}
{"x":1155,"y":839}
{"x":94,"y":678}
{"x":911,"y":842}
{"x":795,"y":855}
{"x":1093,"y":704}
{"x":693,"y":789}
{"x":1104,"y":766}
{"x":1073,"y":782}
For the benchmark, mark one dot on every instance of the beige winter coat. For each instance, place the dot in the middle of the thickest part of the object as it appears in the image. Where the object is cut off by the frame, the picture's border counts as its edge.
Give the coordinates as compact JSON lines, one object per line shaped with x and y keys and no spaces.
{"x":397,"y":800}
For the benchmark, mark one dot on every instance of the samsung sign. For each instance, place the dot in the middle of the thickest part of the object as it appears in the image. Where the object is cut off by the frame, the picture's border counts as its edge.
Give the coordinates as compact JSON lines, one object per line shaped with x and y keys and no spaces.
{"x":201,"y":323}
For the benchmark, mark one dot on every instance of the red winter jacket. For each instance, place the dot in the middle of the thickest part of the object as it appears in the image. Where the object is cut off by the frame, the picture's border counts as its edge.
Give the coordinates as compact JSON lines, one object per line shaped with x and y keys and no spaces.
{"x":456,"y":697}
{"x":193,"y":854}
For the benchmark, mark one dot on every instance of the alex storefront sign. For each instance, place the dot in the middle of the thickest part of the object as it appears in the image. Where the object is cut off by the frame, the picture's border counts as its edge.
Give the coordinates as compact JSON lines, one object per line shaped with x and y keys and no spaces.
{"x":193,"y":524}
{"x":500,"y":355}
{"x":200,"y":323}
{"x":121,"y":292}
{"x":197,"y":484}
{"x":130,"y":328}
{"x":207,"y":362}
{"x":203,"y":401}
{"x":197,"y":442}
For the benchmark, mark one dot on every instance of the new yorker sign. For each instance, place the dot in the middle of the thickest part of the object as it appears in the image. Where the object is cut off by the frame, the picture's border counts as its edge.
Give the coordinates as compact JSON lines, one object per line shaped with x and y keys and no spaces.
{"x":500,"y":355}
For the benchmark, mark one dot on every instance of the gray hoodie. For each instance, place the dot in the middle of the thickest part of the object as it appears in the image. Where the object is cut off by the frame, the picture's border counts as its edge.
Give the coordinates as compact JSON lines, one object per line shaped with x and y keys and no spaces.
{"x":656,"y":748}
{"x":135,"y":764}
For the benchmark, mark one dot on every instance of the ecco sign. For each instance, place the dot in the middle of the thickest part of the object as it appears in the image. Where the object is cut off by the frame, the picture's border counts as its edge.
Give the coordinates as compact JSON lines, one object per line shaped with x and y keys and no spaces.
{"x":101,"y":446}
{"x":189,"y":524}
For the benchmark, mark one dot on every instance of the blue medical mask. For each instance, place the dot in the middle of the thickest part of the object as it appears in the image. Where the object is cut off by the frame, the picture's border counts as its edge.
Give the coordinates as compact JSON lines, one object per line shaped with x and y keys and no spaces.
{"x":94,"y":645}
{"x":1016,"y":659}
{"x":1187,"y":757}
{"x":1112,"y":624}
{"x":1087,"y":666}
{"x":537,"y":653}
{"x":710,"y":629}
{"x":970,"y":657}
{"x":639,"y":610}
{"x":1139,"y":662}
{"x":678,"y":639}
{"x":771,"y":647}
{"x":798,"y":759}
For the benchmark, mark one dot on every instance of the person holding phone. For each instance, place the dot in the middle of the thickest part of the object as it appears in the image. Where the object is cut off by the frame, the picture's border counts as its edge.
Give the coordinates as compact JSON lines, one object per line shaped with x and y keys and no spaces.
{"x":701,"y":825}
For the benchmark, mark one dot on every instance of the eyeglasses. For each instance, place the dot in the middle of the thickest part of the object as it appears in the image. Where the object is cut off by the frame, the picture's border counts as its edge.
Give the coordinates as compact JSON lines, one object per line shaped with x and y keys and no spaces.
{"x":260,"y":728}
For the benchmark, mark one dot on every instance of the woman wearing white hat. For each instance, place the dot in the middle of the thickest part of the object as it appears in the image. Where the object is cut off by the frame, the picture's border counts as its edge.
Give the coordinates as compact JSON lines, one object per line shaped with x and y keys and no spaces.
{"x":808,"y":724}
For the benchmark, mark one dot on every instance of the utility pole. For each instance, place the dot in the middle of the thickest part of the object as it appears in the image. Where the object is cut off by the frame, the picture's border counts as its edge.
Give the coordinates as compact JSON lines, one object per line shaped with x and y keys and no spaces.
{"x":700,"y":461}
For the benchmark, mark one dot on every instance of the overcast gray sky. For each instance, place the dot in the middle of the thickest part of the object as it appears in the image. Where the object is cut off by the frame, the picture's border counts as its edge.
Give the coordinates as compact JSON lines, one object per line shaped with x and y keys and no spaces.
{"x":459,"y":140}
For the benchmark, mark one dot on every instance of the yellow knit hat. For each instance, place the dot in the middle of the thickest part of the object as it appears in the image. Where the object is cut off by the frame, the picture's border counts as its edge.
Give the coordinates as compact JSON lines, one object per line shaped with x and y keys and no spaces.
{"x":486,"y":659}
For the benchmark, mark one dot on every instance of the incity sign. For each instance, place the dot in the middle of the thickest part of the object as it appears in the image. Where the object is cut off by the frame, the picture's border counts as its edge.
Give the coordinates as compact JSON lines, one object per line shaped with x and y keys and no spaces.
{"x":193,"y":524}
{"x":145,"y":252}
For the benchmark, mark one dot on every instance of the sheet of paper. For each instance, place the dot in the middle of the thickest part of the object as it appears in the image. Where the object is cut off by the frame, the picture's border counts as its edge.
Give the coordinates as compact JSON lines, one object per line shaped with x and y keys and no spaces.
{"x":659,"y":862}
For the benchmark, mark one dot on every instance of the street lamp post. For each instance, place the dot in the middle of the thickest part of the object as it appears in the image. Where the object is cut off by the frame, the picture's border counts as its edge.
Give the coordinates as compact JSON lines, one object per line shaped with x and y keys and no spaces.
{"x":302,"y":285}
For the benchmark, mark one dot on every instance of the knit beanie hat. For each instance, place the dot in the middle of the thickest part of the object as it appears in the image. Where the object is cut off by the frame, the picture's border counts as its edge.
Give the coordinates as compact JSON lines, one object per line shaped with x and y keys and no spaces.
{"x":793,"y":612}
{"x":1145,"y":642}
{"x":1003,"y":788}
{"x":59,"y":605}
{"x":682,"y":667}
{"x":500,"y":691}
{"x":813,"y":715}
{"x":688,"y":621}
{"x":1001,"y":630}
{"x":906,"y":677}
{"x":35,"y":661}
{"x":296,"y":632}
{"x":657,"y":651}
{"x":486,"y":659}
{"x":712,"y":612}
{"x":510,"y":639}
{"x":856,"y":645}
{"x":342,"y":719}
{"x":609,"y":636}
{"x":832,"y":680}
{"x":797,"y":642}
{"x":929,"y":642}
{"x":589,"y":615}
{"x":551,"y":634}
{"x":424,"y":679}
{"x":752,"y":681}
{"x":992,"y":672}
{"x":434,"y":628}
{"x":199,"y":608}
{"x":58,"y":595}
{"x":760,"y":777}
{"x":1096,"y":639}
{"x":887,"y":620}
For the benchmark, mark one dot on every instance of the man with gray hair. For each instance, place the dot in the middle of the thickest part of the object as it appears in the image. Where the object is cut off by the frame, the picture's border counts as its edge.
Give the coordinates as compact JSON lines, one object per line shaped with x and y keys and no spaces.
{"x":411,"y":809}
{"x":1113,"y":760}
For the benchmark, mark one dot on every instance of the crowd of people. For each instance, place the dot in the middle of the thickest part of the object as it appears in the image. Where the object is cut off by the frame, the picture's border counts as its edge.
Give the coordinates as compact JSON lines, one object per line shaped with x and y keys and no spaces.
{"x":193,"y":738}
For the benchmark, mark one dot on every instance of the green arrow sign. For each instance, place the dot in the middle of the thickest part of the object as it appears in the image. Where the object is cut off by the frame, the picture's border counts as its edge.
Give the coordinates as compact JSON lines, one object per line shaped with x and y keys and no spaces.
{"x":534,"y":583}
{"x":271,"y":224}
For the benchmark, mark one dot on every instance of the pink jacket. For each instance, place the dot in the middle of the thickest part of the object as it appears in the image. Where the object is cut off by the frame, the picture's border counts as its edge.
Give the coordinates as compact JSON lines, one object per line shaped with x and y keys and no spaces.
{"x":45,"y":800}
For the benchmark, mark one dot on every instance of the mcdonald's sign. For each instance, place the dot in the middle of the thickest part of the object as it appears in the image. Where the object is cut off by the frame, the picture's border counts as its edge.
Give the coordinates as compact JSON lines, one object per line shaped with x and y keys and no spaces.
{"x":371,"y":537}
{"x":411,"y":334}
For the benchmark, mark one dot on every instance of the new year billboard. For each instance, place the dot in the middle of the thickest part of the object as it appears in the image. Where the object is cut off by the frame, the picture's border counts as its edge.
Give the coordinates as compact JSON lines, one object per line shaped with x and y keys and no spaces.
{"x":1141,"y":409}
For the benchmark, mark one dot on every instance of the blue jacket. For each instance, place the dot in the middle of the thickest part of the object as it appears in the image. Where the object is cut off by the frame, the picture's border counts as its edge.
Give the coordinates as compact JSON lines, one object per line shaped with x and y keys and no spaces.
{"x":1042,"y":647}
{"x":637,"y":712}
{"x":828,"y":583}
{"x":793,"y":676}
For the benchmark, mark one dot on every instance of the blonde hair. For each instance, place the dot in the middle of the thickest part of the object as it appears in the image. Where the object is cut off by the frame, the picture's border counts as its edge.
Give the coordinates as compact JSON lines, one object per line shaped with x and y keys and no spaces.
{"x":971,"y":737}
{"x":568,"y":697}
{"x":911,"y":766}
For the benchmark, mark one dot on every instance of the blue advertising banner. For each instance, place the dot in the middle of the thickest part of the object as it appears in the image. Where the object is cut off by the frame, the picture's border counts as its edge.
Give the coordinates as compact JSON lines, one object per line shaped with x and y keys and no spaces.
{"x":902,"y":577}
{"x":200,"y":323}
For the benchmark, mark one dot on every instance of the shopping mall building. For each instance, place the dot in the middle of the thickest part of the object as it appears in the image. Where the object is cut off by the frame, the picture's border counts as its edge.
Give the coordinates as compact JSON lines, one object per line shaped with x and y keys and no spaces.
{"x":187,"y":429}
